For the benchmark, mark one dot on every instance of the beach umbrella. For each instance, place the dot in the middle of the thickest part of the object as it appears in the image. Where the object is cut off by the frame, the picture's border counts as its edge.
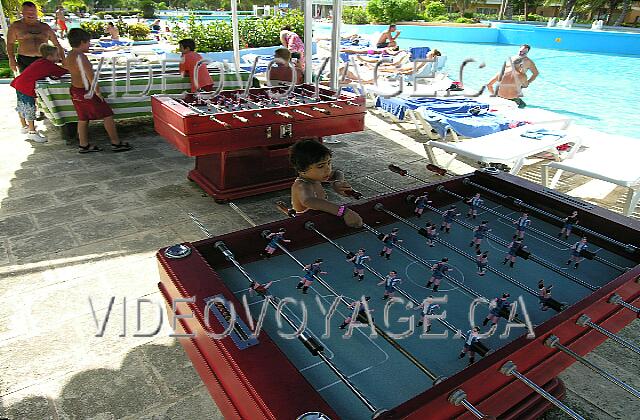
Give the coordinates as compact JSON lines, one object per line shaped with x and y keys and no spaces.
{"x":236,"y":36}
{"x":308,"y":40}
{"x":335,"y":42}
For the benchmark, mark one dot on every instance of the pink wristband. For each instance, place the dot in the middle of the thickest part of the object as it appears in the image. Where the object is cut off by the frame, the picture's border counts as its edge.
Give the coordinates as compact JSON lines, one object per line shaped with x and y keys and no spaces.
{"x":341,"y":210}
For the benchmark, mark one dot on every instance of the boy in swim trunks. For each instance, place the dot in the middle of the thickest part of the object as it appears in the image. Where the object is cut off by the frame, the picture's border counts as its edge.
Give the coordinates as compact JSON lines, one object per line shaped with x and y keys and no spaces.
{"x":94,"y":107}
{"x":312,"y":160}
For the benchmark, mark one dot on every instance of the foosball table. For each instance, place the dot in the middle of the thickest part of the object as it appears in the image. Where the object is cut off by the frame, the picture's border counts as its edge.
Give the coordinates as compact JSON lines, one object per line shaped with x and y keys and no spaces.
{"x":240,"y":139}
{"x":224,"y":285}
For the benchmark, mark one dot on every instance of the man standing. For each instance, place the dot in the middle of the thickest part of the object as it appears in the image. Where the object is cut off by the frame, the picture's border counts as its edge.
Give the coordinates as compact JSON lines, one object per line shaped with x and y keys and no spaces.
{"x":30,"y":33}
{"x":514,"y":77}
{"x":527,"y":64}
{"x":61,"y":21}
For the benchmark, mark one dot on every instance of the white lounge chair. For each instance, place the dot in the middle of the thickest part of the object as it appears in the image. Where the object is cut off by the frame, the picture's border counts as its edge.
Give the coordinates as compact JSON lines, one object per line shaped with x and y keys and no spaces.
{"x":506,"y":147}
{"x":606,"y":164}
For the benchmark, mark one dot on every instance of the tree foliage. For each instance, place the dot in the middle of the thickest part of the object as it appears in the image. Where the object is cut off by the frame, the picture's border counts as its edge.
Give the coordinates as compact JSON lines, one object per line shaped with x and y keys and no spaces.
{"x":217,"y":35}
{"x":391,"y":11}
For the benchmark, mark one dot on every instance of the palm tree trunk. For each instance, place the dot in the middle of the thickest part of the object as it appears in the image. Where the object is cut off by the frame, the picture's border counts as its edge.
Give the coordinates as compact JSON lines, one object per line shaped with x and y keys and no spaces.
{"x":526,"y":11}
{"x":626,"y":5}
{"x":569,"y":8}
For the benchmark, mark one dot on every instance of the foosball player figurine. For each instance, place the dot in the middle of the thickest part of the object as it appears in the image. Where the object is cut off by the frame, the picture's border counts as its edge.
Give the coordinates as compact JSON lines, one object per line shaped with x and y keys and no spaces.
{"x":544,"y":295}
{"x":432,"y":233}
{"x":421,"y":202}
{"x":389,"y":241}
{"x":428,"y":308}
{"x":472,"y":338}
{"x":362,"y":314}
{"x":274,"y":238}
{"x":514,"y":247}
{"x":439,"y":270}
{"x":522,"y":224}
{"x":479,"y":233}
{"x":577,"y":251}
{"x":261,"y":289}
{"x":390,"y":284}
{"x":501,"y":309}
{"x":474,"y":203}
{"x":312,"y":161}
{"x":569,"y":222}
{"x":311,"y":270}
{"x":482,"y":260}
{"x":448,"y":217}
{"x":358,"y":260}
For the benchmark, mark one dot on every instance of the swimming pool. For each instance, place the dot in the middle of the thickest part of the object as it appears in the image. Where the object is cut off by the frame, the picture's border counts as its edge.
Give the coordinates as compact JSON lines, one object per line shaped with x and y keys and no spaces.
{"x":597,"y":90}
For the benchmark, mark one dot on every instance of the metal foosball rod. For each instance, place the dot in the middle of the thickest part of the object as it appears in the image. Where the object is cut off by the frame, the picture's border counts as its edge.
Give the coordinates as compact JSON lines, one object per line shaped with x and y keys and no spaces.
{"x":551,"y":303}
{"x":510,"y":369}
{"x":312,"y":344}
{"x":437,"y":170}
{"x":482,"y":349}
{"x":616,"y":299}
{"x":424,"y":369}
{"x":458,"y":399}
{"x":628,"y":247}
{"x":585,"y":321}
{"x":530,"y":256}
{"x":554,"y":342}
{"x":311,"y":226}
{"x":537,"y":231}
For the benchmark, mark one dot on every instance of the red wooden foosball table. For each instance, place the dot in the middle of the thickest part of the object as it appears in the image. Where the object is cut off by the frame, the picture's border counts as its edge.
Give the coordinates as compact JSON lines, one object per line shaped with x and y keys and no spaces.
{"x":240,"y":141}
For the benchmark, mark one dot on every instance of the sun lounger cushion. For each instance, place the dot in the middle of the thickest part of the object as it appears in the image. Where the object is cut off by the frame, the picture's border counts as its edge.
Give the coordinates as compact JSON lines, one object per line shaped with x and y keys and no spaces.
{"x":113,"y":43}
{"x":398,"y":106}
{"x":418,"y":53}
{"x":464,"y":123}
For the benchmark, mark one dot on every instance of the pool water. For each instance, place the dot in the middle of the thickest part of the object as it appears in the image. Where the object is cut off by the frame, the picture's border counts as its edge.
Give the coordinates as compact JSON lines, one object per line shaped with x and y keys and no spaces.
{"x":599,"y":91}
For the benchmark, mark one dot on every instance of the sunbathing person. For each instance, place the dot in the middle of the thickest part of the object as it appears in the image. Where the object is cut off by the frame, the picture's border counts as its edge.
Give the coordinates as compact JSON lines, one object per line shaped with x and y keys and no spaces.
{"x":371,"y":51}
{"x":396,"y":59}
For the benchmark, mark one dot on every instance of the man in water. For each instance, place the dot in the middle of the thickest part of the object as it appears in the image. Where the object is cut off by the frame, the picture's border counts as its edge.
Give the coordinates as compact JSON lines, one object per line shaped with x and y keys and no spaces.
{"x":514,"y":77}
{"x":30,"y":33}
{"x":388,"y":39}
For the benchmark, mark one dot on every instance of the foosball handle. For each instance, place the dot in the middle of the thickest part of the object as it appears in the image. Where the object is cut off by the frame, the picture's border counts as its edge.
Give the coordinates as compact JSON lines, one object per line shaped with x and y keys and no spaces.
{"x":398,"y":170}
{"x":436,"y":169}
{"x":354,"y":194}
{"x":286,"y":210}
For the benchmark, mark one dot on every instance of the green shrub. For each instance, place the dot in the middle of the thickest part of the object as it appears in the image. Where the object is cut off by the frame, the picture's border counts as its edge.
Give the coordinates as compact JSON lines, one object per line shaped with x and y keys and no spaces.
{"x":433,"y":9}
{"x":391,"y":11}
{"x":355,"y":16}
{"x":441,"y":18}
{"x":123,"y":28}
{"x":118,"y":13}
{"x":464,"y":20}
{"x":481,"y":16}
{"x":217,"y":35}
{"x":95,"y":29}
{"x":468,"y":15}
{"x":148,"y":8}
{"x":139,"y":31}
{"x":5,"y":71}
{"x":531,"y":18}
